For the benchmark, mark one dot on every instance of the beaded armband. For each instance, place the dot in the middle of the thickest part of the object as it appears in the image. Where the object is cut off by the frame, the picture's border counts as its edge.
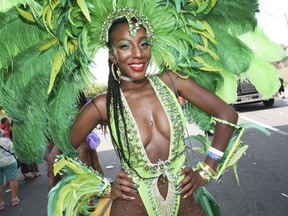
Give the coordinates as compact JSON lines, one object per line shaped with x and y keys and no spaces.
{"x":222,"y":121}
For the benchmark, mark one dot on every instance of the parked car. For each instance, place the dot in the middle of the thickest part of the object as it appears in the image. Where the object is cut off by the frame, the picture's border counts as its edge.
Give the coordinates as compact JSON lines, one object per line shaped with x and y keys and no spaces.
{"x":247,"y":93}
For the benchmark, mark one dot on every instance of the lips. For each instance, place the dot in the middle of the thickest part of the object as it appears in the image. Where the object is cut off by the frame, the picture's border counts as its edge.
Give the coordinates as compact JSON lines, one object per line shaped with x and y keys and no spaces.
{"x":137,"y":67}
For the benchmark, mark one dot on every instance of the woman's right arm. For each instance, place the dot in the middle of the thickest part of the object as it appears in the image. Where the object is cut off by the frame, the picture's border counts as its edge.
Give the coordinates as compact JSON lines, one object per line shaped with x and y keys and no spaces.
{"x":93,"y":113}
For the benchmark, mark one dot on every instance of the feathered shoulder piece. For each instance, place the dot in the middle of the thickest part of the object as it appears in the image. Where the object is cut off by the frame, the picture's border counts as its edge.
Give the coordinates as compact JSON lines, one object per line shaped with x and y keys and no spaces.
{"x":80,"y":190}
{"x":48,"y":45}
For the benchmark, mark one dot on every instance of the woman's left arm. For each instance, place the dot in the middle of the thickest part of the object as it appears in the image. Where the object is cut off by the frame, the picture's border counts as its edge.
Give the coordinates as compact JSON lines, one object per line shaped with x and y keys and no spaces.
{"x":214,"y":106}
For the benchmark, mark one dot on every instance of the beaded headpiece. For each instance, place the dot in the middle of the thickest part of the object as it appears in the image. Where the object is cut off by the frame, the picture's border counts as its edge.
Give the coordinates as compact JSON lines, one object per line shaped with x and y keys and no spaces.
{"x":129,"y":14}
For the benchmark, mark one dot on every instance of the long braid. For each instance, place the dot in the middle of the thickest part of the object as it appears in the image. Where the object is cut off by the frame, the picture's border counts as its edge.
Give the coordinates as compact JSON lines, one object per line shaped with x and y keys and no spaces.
{"x":114,"y":98}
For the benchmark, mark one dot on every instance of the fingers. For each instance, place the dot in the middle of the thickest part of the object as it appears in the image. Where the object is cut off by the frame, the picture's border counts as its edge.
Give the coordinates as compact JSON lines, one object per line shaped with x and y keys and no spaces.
{"x":190,"y":183}
{"x":125,"y":197}
{"x":123,"y":179}
{"x":123,"y":187}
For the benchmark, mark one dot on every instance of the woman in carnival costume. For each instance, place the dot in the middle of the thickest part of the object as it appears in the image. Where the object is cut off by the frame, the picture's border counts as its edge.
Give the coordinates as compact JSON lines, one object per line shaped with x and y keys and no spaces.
{"x":147,"y":126}
{"x":199,"y":47}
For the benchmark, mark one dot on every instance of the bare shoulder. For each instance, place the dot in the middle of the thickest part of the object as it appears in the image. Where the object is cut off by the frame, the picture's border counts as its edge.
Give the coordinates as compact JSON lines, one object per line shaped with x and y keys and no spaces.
{"x":171,"y":79}
{"x":100,"y":99}
{"x":99,"y":103}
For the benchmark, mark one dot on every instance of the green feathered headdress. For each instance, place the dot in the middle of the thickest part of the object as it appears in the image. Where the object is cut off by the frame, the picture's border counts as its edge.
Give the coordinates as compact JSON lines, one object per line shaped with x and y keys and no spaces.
{"x":48,"y":45}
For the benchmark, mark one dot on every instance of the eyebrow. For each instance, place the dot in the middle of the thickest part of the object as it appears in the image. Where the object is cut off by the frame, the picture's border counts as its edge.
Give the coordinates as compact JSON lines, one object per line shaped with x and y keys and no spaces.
{"x":128,"y":39}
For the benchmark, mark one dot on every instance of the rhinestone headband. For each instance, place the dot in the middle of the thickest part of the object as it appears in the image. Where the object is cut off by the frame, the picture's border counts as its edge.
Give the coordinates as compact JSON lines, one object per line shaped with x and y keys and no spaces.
{"x":128,"y":14}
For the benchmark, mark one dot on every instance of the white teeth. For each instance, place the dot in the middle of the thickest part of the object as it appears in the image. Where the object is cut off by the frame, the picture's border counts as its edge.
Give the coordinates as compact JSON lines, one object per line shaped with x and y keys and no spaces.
{"x":137,"y":65}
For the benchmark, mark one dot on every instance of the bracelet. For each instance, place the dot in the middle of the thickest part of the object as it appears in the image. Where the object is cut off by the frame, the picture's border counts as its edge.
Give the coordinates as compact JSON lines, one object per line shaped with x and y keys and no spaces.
{"x":207,"y":168}
{"x":206,"y":177}
{"x":205,"y":171}
{"x":216,"y":151}
{"x":214,"y":156}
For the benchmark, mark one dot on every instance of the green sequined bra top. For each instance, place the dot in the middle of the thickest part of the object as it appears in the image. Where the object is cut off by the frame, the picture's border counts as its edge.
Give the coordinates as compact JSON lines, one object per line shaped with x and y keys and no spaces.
{"x":154,"y":203}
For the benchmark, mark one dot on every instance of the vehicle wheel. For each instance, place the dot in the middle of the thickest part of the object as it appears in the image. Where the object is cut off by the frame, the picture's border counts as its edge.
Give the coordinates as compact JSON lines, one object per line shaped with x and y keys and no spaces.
{"x":268,"y":103}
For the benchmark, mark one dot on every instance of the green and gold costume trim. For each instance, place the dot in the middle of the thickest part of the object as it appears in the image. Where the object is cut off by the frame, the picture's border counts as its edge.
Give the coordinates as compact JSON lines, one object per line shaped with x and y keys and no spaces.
{"x":148,"y":172}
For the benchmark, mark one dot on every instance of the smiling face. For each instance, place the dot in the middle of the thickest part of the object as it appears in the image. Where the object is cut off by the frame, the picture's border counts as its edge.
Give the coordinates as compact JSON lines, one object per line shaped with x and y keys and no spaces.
{"x":130,"y":54}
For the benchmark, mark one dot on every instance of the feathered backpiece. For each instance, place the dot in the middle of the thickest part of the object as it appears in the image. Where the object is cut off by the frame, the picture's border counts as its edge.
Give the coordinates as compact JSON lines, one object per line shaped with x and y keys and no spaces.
{"x":48,"y":45}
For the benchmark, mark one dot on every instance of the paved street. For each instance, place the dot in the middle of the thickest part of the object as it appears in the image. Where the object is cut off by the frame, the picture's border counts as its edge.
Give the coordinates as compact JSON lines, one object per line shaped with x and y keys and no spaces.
{"x":263,"y":171}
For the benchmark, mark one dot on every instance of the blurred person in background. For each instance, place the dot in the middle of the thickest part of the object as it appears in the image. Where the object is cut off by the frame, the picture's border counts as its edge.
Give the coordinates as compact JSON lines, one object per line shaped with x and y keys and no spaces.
{"x":8,"y":168}
{"x":281,"y":90}
{"x":6,"y":126}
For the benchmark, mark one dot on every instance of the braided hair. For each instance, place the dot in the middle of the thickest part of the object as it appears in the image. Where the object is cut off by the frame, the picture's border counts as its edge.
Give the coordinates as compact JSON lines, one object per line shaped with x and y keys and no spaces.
{"x":114,"y":99}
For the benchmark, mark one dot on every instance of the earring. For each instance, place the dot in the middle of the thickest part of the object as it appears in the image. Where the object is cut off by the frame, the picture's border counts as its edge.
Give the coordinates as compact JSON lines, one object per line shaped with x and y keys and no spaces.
{"x":113,"y":73}
{"x":152,"y":69}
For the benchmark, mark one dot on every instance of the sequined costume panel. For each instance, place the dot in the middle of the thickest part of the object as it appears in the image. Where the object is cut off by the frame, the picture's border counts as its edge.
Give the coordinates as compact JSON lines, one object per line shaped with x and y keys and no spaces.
{"x":154,"y":203}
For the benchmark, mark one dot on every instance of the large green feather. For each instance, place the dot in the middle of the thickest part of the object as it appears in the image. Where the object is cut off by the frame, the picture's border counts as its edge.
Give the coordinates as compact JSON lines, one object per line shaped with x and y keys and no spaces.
{"x":25,"y":100}
{"x":227,"y":90}
{"x":6,"y":5}
{"x":266,"y":83}
{"x":236,"y":17}
{"x":25,"y":71}
{"x":234,"y":55}
{"x":264,"y":48}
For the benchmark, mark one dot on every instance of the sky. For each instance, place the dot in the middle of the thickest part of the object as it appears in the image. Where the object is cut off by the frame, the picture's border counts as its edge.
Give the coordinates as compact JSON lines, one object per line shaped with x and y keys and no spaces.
{"x":272,"y":18}
{"x":100,"y":70}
